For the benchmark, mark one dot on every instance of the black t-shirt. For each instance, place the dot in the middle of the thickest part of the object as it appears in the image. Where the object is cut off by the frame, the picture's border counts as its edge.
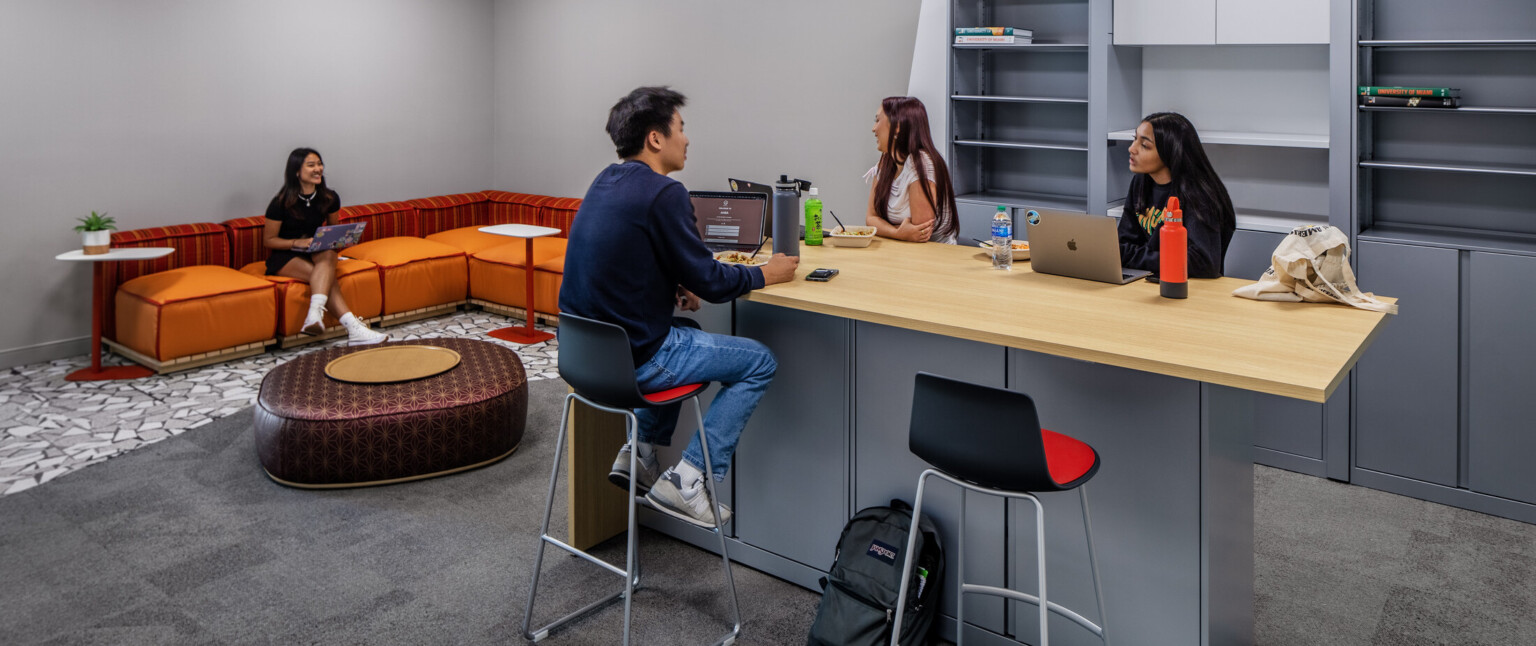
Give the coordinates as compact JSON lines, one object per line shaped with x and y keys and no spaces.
{"x":303,"y":220}
{"x":1140,"y":245}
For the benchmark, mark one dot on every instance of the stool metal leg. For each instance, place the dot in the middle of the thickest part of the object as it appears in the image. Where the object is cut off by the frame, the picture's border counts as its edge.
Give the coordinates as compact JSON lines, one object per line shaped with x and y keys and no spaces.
{"x":545,"y":539}
{"x":714,"y":508}
{"x":1093,"y":566}
{"x":1044,"y":605}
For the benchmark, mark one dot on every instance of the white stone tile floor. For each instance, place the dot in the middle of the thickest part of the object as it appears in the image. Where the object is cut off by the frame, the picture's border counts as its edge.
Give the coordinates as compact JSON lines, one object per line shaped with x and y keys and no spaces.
{"x":50,"y":427}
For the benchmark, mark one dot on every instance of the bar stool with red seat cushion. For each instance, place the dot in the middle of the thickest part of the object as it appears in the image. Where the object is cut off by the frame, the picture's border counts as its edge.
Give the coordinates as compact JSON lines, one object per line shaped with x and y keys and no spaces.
{"x":955,"y":428}
{"x":595,"y":361}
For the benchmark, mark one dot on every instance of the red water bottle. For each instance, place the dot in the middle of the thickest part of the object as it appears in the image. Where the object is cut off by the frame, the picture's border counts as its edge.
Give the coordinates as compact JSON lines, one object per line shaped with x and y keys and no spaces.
{"x":1173,"y":263}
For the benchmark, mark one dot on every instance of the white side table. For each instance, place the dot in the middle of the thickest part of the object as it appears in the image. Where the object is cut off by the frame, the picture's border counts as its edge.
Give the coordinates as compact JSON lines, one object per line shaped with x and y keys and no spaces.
{"x":98,"y":285}
{"x":527,"y":232}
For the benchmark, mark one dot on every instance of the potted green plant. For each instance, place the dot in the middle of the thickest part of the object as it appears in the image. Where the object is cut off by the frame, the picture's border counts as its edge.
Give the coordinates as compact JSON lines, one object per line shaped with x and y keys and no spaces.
{"x":96,"y":233}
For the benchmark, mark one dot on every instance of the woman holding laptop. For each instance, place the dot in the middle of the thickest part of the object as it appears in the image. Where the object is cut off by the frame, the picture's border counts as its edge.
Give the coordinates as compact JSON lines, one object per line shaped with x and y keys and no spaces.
{"x":1169,"y":161}
{"x":293,"y":216}
{"x":910,"y":197}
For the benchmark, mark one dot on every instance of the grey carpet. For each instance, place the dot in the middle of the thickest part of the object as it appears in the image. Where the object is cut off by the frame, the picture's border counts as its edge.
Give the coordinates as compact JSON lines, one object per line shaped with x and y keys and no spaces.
{"x":187,"y":542}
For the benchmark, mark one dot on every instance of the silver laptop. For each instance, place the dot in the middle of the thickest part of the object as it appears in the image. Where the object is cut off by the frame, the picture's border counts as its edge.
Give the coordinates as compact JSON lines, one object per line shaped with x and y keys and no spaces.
{"x":1077,"y":245}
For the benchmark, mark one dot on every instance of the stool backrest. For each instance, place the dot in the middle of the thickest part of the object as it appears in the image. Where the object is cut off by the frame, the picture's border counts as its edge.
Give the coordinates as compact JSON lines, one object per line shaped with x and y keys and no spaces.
{"x":596,"y":361}
{"x":989,"y":436}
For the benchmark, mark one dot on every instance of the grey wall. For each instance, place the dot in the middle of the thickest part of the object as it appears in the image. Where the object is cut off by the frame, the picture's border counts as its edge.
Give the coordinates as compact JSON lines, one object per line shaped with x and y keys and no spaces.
{"x":783,"y":87}
{"x":173,"y":111}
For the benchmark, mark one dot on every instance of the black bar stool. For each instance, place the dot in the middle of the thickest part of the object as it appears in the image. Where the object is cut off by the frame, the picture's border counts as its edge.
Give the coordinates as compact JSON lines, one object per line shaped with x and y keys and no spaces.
{"x":595,"y":363}
{"x":955,"y":428}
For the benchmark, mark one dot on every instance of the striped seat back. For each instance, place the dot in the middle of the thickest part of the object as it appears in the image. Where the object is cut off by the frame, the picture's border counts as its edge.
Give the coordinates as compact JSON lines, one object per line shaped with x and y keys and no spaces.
{"x":385,"y":219}
{"x":447,"y":212}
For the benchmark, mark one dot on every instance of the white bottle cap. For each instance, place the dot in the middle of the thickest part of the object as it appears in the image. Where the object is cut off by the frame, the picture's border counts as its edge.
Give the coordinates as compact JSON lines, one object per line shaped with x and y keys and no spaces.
{"x":813,"y":191}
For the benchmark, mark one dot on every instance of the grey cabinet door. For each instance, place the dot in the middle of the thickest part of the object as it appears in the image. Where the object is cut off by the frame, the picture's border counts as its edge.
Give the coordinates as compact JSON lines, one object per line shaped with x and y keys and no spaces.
{"x":792,"y":461}
{"x":1290,"y":426}
{"x":975,"y":221}
{"x":1501,"y":429}
{"x":1407,"y":381}
{"x":886,"y":362}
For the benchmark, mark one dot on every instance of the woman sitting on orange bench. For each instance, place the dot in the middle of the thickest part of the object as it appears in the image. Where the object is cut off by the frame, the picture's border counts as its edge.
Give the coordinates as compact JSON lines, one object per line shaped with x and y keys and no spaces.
{"x":296,"y":212}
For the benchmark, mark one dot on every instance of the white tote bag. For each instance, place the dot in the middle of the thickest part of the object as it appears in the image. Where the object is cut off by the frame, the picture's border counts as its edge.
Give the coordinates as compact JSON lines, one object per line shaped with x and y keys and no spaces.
{"x":1312,"y":264}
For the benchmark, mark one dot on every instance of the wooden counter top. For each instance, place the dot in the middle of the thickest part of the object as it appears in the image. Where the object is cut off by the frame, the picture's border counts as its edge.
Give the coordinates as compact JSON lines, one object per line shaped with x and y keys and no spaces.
{"x":1298,"y":350}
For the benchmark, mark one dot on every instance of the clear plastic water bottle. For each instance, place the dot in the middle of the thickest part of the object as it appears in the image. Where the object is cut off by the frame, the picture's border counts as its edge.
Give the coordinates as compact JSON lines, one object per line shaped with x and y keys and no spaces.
{"x":1002,"y":239}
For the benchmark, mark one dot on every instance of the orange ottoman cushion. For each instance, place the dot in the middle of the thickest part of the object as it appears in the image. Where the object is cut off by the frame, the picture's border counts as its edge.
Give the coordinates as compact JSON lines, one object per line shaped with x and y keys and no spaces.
{"x":415,"y":273}
{"x":190,"y":310}
{"x":471,"y":240}
{"x":496,"y":275}
{"x":359,"y":285}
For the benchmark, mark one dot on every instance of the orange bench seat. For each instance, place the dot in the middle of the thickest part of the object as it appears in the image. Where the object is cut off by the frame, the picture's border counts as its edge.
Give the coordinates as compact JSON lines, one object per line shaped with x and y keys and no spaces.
{"x":418,"y":277}
{"x":193,"y":310}
{"x":360,"y":286}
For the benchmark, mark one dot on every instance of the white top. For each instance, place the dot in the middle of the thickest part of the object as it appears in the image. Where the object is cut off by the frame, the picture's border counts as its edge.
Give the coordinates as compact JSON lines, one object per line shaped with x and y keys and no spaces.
{"x":520,"y":230}
{"x":121,"y":253}
{"x":899,"y":207}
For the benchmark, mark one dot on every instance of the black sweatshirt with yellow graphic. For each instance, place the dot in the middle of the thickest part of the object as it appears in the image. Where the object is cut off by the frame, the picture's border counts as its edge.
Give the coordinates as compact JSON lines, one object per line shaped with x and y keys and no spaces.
{"x":1208,"y":238}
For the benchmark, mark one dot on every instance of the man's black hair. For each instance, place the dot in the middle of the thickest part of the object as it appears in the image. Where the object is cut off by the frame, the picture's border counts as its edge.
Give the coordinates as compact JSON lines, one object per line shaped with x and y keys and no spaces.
{"x":634,"y":117}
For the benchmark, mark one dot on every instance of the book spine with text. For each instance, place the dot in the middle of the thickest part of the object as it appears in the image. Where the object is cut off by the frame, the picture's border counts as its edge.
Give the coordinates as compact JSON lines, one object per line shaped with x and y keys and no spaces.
{"x":995,"y":40}
{"x":992,"y":31}
{"x":1411,"y":101}
{"x":1436,"y":92}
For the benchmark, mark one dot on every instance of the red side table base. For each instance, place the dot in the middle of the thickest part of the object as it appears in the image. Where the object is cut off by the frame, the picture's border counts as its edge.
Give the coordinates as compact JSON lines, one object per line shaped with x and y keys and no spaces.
{"x":109,"y":373}
{"x":521,"y":335}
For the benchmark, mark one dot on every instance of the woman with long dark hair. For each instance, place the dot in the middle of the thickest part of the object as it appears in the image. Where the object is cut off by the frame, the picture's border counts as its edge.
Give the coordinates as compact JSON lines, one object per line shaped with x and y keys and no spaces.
{"x":911,"y":197}
{"x":1169,"y":161}
{"x":293,"y":216}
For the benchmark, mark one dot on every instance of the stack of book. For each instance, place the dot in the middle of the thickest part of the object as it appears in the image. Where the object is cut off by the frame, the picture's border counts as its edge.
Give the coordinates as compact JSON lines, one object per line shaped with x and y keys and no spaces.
{"x":1410,"y":97}
{"x":993,"y":36}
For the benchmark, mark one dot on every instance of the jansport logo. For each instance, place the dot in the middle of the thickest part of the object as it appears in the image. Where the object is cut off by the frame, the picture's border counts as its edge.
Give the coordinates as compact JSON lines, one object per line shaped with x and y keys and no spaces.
{"x":1072,"y":244}
{"x":883,"y":552}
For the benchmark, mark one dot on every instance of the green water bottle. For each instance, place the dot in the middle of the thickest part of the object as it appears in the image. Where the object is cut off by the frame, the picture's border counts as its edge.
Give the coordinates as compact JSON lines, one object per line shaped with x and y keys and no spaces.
{"x":813,"y":219}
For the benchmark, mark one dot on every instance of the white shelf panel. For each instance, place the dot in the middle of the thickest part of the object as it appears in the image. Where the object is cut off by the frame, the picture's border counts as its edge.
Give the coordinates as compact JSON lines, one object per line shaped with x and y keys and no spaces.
{"x":1465,"y":109}
{"x":1482,"y":169}
{"x":1037,"y":47}
{"x":1281,"y":140}
{"x":1260,"y":220}
{"x":1020,"y":145}
{"x":1022,"y":198}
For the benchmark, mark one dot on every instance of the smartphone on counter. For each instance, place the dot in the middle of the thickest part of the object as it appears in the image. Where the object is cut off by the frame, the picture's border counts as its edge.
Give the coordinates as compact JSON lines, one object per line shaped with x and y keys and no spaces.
{"x":821,"y":275}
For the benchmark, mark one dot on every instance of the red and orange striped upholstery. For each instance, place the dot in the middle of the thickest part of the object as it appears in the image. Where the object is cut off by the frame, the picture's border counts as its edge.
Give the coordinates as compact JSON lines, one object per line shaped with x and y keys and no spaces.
{"x":245,"y":240}
{"x":201,"y":243}
{"x":385,"y":219}
{"x":559,"y":212}
{"x":447,"y":212}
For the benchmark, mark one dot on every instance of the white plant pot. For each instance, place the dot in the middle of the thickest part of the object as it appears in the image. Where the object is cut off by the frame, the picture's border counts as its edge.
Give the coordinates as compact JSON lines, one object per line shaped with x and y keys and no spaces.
{"x":96,"y":242}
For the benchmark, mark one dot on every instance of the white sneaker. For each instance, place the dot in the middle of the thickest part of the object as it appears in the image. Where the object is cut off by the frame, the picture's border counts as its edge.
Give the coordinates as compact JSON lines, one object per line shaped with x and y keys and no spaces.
{"x":314,"y":322}
{"x":361,"y":334}
{"x":619,"y":473}
{"x":691,"y":503}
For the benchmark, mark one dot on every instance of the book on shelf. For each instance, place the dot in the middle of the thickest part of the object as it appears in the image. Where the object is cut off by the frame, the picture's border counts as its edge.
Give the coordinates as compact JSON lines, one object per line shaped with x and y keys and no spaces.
{"x":1435,"y":92}
{"x":993,"y":31}
{"x":1410,"y":101}
{"x":993,"y":40}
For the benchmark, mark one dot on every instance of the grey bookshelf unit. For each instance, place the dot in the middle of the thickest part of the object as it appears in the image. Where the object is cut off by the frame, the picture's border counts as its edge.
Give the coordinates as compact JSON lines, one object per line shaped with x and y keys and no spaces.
{"x":1443,"y":219}
{"x":1019,"y":115}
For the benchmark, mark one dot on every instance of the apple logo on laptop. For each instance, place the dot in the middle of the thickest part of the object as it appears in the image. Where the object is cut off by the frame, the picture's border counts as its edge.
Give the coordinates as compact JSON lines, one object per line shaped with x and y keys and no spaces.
{"x":1072,"y":244}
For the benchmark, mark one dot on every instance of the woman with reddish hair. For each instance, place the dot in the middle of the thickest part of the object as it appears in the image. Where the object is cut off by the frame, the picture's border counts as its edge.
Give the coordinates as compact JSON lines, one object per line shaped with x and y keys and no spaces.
{"x":910,"y":197}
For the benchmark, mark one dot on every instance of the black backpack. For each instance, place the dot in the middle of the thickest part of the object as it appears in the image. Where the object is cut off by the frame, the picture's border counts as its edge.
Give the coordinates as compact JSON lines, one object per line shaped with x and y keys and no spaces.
{"x":858,"y":604}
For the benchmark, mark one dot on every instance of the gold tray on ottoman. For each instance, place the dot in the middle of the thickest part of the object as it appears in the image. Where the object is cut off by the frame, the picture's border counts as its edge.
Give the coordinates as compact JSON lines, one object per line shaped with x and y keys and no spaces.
{"x":392,"y":364}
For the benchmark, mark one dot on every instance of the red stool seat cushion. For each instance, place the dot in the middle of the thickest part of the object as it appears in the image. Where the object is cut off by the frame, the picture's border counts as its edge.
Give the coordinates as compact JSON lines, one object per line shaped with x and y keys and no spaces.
{"x":1067,"y":459}
{"x":672,"y":394}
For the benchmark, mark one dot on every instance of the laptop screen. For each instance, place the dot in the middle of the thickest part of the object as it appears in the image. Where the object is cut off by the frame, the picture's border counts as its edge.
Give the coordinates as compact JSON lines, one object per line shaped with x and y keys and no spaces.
{"x":730,"y":220}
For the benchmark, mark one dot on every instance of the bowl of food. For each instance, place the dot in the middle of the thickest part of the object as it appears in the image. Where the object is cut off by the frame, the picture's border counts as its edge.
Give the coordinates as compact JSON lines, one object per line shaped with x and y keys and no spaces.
{"x":1020,"y":249}
{"x":852,"y":236}
{"x":742,"y":258}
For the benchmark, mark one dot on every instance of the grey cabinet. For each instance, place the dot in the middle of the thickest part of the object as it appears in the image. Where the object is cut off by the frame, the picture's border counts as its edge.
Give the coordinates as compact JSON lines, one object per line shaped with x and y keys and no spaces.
{"x":792,"y":461}
{"x":886,"y":360}
{"x":1407,"y":381}
{"x":1501,"y":407}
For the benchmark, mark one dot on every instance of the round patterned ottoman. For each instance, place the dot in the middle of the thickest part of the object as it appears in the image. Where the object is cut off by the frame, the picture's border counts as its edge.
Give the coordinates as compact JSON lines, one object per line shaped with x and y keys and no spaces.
{"x":316,"y":432}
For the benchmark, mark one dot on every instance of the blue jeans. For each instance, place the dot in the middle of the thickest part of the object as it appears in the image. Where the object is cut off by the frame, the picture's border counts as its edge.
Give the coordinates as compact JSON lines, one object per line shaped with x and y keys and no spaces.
{"x":742,"y":366}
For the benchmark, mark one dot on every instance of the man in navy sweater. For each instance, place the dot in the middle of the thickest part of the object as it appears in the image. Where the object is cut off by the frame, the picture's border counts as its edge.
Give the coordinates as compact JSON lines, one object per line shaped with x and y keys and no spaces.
{"x":634,"y":254}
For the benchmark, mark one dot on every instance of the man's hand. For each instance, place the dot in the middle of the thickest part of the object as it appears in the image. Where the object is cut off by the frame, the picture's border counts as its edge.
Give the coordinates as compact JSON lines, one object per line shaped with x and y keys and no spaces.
{"x":914,"y":232}
{"x":686,"y":300}
{"x":780,"y":269}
